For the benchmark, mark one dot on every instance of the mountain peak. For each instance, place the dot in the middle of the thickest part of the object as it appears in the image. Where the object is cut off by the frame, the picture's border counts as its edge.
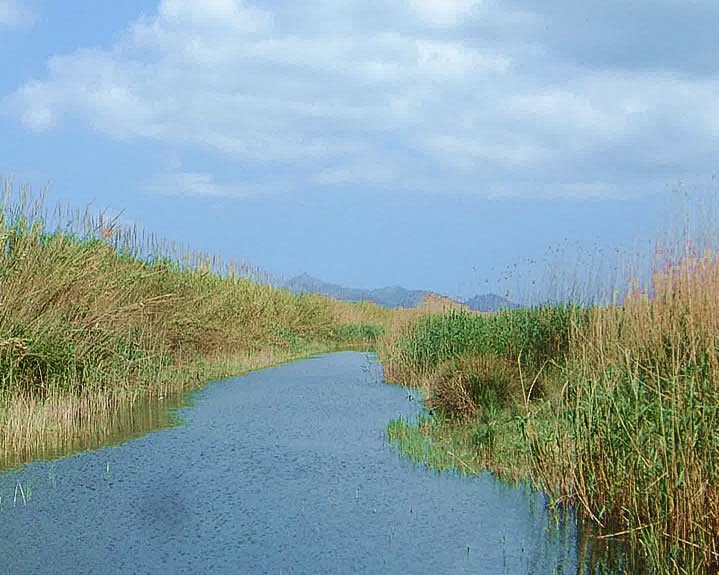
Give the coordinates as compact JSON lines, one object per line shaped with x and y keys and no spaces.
{"x":392,"y":296}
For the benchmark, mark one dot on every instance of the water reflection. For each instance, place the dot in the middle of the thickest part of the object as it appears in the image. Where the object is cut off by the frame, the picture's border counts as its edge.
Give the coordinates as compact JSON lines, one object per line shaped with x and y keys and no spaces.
{"x":126,"y":418}
{"x":284,"y":470}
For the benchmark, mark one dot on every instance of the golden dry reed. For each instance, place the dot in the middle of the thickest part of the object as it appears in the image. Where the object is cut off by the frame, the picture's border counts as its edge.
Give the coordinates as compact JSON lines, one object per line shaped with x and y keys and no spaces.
{"x":97,"y":319}
{"x":637,"y":442}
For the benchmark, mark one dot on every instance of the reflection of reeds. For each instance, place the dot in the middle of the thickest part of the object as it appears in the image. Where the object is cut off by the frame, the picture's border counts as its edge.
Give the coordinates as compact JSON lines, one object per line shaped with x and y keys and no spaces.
{"x":61,"y":423}
{"x":623,"y":421}
{"x":444,"y":443}
{"x":96,"y":317}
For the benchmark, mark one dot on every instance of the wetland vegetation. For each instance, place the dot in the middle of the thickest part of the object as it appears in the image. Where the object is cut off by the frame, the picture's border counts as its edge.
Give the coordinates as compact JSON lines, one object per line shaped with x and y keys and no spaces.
{"x":611,"y":410}
{"x":96,"y":320}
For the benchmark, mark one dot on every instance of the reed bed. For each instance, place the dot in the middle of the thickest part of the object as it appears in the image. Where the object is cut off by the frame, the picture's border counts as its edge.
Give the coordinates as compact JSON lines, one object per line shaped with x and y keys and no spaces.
{"x":612,"y":409}
{"x":462,"y":356}
{"x":95,"y":318}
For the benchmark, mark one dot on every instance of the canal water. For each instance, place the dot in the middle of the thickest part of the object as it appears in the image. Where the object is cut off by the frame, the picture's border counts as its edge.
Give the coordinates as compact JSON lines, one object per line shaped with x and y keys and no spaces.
{"x":285,"y":470}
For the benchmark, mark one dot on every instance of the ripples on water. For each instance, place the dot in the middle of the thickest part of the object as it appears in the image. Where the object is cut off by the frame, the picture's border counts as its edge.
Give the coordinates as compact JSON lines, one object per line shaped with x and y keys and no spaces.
{"x":280,"y":471}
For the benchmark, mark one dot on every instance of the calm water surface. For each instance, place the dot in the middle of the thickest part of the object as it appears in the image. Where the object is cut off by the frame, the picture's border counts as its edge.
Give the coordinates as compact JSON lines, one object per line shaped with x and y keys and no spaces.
{"x":280,"y":471}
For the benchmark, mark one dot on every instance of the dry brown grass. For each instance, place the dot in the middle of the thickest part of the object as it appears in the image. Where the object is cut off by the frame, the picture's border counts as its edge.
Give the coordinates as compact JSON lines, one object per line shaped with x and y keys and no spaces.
{"x":436,"y":303}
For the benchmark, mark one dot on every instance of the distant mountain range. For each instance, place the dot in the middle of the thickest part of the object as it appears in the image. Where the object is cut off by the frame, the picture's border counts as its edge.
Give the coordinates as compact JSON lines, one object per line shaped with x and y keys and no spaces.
{"x":394,"y":296}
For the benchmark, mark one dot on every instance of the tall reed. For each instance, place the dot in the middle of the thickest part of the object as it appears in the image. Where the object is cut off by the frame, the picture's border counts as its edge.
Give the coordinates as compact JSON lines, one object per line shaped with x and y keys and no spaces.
{"x":95,"y":316}
{"x":638,"y":424}
{"x":613,"y":408}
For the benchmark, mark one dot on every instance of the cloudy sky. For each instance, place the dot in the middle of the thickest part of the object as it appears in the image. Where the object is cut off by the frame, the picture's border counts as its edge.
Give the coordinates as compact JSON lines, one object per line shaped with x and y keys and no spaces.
{"x":428,"y":143}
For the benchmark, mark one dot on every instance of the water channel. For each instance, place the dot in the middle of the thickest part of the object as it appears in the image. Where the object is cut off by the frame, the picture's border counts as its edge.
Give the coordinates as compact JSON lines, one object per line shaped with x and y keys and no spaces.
{"x":284,"y":470}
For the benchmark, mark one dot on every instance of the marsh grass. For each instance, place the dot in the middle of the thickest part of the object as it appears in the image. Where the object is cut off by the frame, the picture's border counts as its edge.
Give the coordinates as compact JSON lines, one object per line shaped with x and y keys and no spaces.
{"x":464,"y":360}
{"x":95,"y":318}
{"x":640,"y":417}
{"x":611,"y":409}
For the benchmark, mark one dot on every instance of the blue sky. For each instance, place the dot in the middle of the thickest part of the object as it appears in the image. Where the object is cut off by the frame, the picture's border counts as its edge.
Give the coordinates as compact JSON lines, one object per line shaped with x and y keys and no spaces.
{"x":429,"y":143}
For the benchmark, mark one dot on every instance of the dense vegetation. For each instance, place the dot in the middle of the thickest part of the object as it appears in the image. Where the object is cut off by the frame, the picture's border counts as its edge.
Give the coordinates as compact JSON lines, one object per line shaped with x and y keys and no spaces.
{"x":88,"y":327}
{"x":613,"y":409}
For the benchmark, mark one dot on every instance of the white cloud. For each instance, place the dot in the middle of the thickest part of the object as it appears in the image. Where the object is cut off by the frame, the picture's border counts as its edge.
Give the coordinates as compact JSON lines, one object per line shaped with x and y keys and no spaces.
{"x":219,"y":76}
{"x":455,"y":59}
{"x":38,"y":118}
{"x":372,"y":173}
{"x":451,"y":94}
{"x":564,"y":111}
{"x":14,"y":14}
{"x":466,"y":153}
{"x":213,"y":14}
{"x":193,"y":184}
{"x":443,"y":12}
